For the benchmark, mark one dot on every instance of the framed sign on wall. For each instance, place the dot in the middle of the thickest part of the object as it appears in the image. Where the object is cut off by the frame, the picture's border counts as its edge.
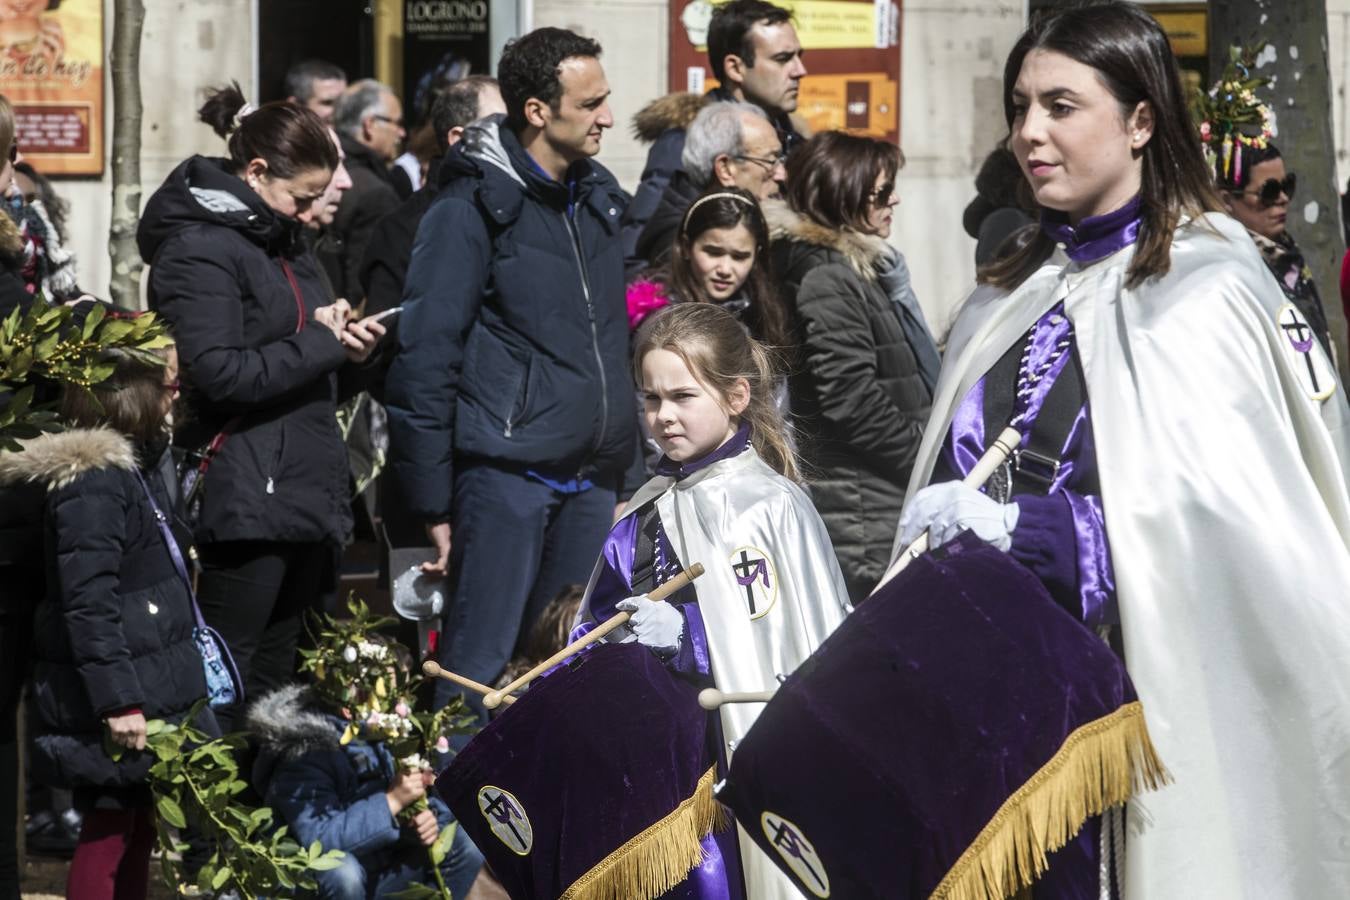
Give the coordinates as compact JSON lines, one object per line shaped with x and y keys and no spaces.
{"x":51,"y":69}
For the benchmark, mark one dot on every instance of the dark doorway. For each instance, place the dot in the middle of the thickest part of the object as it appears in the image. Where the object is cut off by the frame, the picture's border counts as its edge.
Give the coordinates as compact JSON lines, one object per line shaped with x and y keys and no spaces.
{"x":339,"y":31}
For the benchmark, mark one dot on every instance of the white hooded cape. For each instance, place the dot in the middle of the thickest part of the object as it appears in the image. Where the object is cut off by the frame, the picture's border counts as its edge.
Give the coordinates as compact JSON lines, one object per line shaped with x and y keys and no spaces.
{"x":741,"y":506}
{"x":1223,"y":468}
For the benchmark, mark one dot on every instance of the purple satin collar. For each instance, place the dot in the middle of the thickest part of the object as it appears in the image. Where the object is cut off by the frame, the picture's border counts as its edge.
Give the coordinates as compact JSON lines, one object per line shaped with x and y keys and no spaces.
{"x":1096,"y":237}
{"x":734,"y":446}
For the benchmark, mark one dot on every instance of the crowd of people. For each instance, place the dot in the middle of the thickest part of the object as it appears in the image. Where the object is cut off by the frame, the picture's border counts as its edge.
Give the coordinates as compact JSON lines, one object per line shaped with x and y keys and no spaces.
{"x":563,"y":384}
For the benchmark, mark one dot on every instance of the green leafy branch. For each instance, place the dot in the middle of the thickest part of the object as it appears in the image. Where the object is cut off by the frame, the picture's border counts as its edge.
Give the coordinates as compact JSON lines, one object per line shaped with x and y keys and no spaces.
{"x":45,"y":344}
{"x":195,"y":780}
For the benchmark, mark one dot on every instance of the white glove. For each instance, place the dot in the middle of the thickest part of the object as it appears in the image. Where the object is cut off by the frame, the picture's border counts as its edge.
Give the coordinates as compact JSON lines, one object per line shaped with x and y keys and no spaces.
{"x":657,"y":624}
{"x":945,"y":510}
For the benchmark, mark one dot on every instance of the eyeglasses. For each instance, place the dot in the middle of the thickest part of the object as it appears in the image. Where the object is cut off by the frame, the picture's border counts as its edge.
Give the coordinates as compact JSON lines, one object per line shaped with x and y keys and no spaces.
{"x":768,"y":162}
{"x":1270,"y":190}
{"x":397,"y":123}
{"x":882,"y":195}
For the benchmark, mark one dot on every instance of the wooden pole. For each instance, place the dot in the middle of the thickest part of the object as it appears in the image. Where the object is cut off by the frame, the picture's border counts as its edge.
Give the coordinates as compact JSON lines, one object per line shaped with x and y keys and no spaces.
{"x":432,"y":669}
{"x":984,"y":469}
{"x":494,"y":699}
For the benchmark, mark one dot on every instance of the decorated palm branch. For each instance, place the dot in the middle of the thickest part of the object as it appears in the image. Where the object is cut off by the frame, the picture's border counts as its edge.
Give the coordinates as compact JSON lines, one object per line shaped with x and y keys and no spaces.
{"x":1230,"y":115}
{"x":49,"y":346}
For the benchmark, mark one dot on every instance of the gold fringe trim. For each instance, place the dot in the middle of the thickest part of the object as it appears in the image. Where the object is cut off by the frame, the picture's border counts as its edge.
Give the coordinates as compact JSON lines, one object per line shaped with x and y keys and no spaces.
{"x":1101,"y":765}
{"x":660,"y":857}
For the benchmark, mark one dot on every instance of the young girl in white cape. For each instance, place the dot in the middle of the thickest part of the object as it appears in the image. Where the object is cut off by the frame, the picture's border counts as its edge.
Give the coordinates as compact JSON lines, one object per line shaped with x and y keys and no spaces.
{"x":725,"y":495}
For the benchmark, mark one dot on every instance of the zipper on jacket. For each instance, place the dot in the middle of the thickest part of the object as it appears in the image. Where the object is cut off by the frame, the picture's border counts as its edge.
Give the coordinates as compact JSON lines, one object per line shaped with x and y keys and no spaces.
{"x":595,"y":332}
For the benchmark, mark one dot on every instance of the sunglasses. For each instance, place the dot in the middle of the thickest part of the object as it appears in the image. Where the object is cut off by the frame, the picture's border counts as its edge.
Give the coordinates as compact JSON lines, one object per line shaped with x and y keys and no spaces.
{"x":1270,"y":191}
{"x":882,"y":195}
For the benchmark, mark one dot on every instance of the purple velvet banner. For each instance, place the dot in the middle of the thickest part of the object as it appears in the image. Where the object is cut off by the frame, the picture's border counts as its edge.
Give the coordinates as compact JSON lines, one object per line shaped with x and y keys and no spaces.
{"x":883,"y":757}
{"x":585,"y":760}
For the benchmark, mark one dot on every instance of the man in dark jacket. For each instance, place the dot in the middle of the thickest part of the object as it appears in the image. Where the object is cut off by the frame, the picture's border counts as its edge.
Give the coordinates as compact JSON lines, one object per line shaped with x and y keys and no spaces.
{"x":511,"y":408}
{"x":369,"y":120}
{"x":755,"y":56}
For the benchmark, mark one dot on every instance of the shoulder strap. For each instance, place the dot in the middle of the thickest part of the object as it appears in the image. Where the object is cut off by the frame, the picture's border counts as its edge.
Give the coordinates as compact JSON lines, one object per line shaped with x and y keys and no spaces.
{"x":171,"y":544}
{"x":1038,"y":459}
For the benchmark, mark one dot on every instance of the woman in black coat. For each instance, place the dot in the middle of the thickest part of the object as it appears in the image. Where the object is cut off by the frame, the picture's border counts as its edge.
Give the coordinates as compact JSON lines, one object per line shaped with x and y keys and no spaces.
{"x":262,"y":342}
{"x":862,"y":383}
{"x":112,"y":638}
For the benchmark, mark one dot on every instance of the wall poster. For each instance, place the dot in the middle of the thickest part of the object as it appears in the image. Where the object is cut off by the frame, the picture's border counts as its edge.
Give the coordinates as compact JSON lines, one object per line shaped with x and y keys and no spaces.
{"x":443,"y":41}
{"x":51,"y":69}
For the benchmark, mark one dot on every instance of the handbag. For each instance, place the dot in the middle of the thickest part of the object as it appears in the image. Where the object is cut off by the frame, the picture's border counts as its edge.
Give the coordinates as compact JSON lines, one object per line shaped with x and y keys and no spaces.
{"x":224,"y":687}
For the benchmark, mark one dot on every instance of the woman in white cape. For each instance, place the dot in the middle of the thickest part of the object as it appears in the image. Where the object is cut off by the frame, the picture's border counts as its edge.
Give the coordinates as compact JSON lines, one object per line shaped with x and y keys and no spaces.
{"x":1186,"y":472}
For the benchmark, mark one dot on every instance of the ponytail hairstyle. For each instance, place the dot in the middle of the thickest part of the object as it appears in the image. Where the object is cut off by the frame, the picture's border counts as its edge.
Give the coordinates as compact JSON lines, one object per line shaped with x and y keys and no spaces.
{"x":718,"y":352}
{"x":728,"y":207}
{"x":1133,"y":60}
{"x":290,"y":138}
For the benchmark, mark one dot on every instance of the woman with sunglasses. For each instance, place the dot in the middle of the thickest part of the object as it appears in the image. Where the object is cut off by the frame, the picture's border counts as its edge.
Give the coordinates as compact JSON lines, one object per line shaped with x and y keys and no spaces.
{"x":862,"y":383}
{"x":1182,"y":480}
{"x":1257,"y":193}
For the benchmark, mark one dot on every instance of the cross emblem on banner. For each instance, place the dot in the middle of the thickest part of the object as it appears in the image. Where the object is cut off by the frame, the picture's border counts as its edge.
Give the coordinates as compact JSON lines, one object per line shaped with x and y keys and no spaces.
{"x":507,"y":819}
{"x":797,"y":852}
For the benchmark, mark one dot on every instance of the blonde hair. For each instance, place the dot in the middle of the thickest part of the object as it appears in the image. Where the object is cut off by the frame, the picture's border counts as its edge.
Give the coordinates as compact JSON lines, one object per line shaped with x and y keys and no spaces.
{"x":718,"y":352}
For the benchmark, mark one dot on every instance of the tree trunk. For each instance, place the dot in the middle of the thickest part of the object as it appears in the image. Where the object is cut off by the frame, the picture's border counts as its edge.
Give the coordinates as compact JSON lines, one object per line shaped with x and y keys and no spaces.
{"x":1300,"y":98}
{"x":128,"y":17}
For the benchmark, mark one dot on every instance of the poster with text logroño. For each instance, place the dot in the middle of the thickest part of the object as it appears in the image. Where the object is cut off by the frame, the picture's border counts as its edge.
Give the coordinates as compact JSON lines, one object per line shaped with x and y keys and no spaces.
{"x":51,"y":69}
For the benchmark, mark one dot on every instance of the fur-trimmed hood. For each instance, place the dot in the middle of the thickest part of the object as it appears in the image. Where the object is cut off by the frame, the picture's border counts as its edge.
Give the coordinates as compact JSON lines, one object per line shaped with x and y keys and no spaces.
{"x":56,"y":460}
{"x":676,"y":110}
{"x":865,"y":253}
{"x":290,"y":724}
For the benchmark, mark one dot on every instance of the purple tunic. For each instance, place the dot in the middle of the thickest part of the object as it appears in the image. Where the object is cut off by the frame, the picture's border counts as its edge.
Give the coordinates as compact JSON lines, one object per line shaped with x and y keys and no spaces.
{"x":1061,"y":535}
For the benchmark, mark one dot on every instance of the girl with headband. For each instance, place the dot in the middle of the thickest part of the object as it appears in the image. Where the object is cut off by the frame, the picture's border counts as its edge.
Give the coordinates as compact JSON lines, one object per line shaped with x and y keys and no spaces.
{"x":719,"y":257}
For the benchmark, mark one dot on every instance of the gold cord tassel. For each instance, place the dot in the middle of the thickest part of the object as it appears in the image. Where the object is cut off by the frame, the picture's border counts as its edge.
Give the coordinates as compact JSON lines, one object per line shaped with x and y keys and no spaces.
{"x":660,"y":857}
{"x":1101,"y":765}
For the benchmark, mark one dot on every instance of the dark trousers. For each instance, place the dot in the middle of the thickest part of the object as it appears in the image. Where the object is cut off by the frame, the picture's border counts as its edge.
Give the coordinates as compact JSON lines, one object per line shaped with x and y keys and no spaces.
{"x":256,"y":593}
{"x":16,"y":636}
{"x":515,"y":544}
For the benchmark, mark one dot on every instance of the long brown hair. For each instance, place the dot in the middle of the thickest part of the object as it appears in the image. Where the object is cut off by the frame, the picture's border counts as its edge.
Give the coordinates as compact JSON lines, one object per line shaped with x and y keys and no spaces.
{"x":718,"y":352}
{"x":1134,"y":61}
{"x":728,"y":207}
{"x":831,"y":178}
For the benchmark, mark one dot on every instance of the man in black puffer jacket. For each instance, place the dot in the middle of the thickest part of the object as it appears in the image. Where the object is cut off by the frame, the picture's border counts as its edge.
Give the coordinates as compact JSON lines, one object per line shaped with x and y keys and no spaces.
{"x":510,"y":404}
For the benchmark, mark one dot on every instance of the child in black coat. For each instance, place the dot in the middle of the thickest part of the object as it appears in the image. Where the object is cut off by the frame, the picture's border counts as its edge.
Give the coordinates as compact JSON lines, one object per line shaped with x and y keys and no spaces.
{"x":112,"y":639}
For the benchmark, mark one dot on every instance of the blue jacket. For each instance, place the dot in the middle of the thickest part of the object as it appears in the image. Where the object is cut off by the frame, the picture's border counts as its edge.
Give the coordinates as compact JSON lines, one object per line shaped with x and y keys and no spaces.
{"x":325,"y":791}
{"x":514,"y":336}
